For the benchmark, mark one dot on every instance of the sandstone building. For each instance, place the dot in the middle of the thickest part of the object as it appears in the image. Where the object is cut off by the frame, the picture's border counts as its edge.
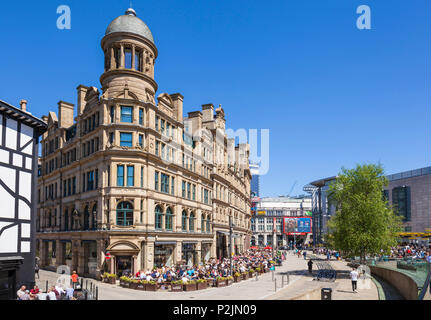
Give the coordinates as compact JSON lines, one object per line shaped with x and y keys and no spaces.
{"x":130,"y":176}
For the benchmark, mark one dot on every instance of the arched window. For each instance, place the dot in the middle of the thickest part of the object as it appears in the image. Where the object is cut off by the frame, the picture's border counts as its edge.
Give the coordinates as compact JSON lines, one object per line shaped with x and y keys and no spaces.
{"x":86,"y":218}
{"x":208,"y":224}
{"x":94,"y":217}
{"x":169,"y":218}
{"x":159,"y":218}
{"x":124,"y":214}
{"x":192,"y":222}
{"x":203,"y":220}
{"x":66,"y":220}
{"x":184,"y":221}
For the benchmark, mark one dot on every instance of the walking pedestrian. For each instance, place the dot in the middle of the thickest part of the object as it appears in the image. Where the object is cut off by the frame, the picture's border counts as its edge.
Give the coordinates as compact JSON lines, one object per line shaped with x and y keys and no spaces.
{"x":36,"y":270}
{"x":305,"y":255}
{"x":74,"y":277}
{"x":310,"y":266}
{"x":354,"y":277}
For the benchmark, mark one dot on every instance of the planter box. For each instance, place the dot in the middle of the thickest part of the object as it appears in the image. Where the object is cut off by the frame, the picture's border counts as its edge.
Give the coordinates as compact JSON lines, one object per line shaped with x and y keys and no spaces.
{"x":251,"y":274}
{"x":111,"y":280}
{"x":189,"y":287}
{"x":126,"y":285}
{"x":176,"y":287}
{"x":244,"y":276}
{"x":229,"y":282}
{"x":202,"y":285}
{"x":151,"y":287}
{"x":221,"y":283}
{"x":141,"y":286}
{"x":133,"y":285}
{"x":237,"y":279}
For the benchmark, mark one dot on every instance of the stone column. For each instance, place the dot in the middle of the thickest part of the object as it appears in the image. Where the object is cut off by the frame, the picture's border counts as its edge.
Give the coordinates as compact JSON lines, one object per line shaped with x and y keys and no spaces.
{"x":60,"y":253}
{"x":80,"y":256}
{"x":122,"y":57}
{"x":112,"y":64}
{"x":43,"y":253}
{"x":178,"y":252}
{"x":133,"y":57}
{"x":135,"y":264}
{"x":149,"y":255}
{"x":214,"y":248}
{"x":198,"y":249}
{"x":100,"y":258}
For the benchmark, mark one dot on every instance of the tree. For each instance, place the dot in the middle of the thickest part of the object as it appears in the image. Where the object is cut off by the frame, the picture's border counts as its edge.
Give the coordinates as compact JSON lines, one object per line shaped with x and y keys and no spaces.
{"x":363,"y":223}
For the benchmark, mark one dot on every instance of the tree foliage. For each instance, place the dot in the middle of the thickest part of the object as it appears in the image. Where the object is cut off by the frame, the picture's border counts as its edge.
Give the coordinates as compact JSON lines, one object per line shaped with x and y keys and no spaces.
{"x":363,"y":224}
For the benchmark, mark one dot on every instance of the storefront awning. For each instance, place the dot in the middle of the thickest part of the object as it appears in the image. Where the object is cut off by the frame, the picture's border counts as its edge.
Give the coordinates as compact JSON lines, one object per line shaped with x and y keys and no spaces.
{"x":234,"y":235}
{"x":190,"y":242}
{"x":161,"y":243}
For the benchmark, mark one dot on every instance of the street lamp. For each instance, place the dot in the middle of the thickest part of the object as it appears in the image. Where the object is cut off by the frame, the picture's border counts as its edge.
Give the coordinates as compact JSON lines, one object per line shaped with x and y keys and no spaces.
{"x":231,"y":225}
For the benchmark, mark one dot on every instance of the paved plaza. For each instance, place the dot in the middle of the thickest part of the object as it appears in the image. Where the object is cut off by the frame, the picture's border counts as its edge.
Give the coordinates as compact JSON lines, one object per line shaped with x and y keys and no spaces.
{"x":301,"y":282}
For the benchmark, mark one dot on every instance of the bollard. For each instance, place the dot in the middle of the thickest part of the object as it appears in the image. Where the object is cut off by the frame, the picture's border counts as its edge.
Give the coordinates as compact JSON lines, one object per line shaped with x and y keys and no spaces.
{"x":282,"y":281}
{"x":273,"y":275}
{"x":46,"y":286}
{"x":86,"y":295}
{"x":258,"y":279}
{"x":86,"y":284}
{"x":97,"y":293}
{"x":275,"y":285}
{"x":91,"y":285}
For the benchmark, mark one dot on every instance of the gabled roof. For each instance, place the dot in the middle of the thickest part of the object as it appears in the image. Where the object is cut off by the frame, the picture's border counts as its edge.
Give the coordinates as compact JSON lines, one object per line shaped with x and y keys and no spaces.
{"x":27,"y":118}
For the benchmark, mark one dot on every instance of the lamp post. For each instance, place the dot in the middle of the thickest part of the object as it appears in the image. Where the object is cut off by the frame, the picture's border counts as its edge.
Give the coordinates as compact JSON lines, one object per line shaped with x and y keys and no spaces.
{"x":230,"y":242}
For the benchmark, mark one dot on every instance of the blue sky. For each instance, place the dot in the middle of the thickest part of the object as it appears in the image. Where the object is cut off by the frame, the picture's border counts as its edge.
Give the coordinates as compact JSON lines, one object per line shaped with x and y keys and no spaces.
{"x":331,"y":95}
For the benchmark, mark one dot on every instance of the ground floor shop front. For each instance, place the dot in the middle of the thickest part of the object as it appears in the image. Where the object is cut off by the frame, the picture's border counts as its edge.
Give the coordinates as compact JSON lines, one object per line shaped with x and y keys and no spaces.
{"x":93,"y":253}
{"x":267,"y":239}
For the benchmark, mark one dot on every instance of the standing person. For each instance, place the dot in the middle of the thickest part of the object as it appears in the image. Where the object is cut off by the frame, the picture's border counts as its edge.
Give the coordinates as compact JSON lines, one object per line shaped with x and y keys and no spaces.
{"x":74,"y":278}
{"x":305,"y":255}
{"x":328,"y":255}
{"x":310,"y":266}
{"x":36,"y":270}
{"x":354,"y":277}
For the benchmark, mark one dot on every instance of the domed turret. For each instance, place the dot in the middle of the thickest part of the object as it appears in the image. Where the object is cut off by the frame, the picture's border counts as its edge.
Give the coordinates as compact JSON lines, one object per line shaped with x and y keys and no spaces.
{"x":130,"y":23}
{"x":130,"y":55}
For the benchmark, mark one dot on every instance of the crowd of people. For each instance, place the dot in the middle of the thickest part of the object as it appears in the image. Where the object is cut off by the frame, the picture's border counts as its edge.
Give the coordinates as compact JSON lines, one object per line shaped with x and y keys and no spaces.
{"x":213,"y":268}
{"x":412,"y":250}
{"x":56,"y":292}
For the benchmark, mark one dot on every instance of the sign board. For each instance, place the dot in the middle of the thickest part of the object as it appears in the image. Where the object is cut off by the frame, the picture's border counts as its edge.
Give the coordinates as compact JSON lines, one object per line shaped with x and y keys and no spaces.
{"x":297,"y":225}
{"x":261,"y":212}
{"x":108,"y":256}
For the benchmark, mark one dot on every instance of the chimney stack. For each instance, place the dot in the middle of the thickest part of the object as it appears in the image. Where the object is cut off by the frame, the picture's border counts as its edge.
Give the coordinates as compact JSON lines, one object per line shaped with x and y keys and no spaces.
{"x":23,"y":104}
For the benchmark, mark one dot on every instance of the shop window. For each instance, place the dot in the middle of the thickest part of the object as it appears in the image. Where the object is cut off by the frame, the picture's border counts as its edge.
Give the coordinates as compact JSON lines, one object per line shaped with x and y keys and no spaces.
{"x":124,"y":214}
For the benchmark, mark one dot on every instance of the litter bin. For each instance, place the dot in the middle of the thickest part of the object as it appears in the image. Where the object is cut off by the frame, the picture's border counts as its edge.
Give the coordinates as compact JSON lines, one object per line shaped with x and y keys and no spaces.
{"x":326,"y":294}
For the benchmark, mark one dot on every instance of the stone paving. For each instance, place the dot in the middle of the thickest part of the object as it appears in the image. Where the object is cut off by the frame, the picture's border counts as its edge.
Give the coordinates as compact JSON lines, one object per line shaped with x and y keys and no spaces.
{"x":300,"y":282}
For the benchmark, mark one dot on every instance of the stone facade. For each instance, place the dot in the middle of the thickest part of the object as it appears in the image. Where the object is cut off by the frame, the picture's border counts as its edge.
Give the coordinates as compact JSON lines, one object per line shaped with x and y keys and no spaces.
{"x":131,"y":176}
{"x":417,"y":186}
